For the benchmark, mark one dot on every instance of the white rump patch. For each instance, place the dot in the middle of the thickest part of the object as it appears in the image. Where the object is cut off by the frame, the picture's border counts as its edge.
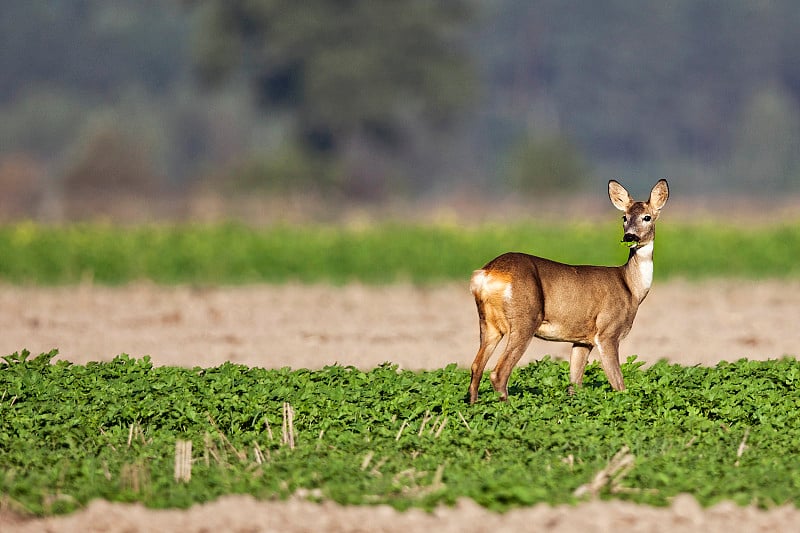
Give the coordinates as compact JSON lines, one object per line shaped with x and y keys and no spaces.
{"x":483,"y":284}
{"x":477,"y":282}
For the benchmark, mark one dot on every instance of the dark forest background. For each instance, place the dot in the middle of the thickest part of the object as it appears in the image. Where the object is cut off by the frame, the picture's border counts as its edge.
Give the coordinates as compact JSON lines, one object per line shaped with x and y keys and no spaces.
{"x":368,"y":100}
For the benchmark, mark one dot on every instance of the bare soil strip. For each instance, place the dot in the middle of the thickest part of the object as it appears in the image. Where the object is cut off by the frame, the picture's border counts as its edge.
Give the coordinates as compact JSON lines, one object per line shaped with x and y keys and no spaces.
{"x":417,"y":328}
{"x":245,"y":514}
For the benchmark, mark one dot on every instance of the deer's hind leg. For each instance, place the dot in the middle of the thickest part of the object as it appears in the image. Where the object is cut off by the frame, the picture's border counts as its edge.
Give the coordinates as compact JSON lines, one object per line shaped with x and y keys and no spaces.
{"x":524,"y":315}
{"x":489,"y":292}
{"x":490,"y":338}
{"x":519,"y":337}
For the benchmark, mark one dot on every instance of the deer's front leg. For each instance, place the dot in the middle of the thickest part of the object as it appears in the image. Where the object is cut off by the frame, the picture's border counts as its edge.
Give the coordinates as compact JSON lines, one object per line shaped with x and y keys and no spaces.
{"x":577,"y":364}
{"x":609,"y":360}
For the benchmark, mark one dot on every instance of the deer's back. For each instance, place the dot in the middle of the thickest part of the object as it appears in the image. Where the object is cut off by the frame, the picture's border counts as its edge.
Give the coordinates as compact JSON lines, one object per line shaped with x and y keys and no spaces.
{"x":571,"y":299}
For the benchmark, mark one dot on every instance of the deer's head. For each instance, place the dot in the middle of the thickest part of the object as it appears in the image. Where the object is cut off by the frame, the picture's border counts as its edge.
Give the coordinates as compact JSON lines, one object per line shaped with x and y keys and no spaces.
{"x":638,"y":222}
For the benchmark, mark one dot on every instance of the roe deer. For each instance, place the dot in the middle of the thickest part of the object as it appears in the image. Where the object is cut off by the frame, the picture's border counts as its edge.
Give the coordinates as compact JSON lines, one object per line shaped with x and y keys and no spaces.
{"x":521,"y":296}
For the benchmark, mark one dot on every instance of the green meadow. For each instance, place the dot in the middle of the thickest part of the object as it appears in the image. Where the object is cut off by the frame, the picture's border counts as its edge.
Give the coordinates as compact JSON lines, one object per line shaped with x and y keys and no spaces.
{"x":374,"y":254}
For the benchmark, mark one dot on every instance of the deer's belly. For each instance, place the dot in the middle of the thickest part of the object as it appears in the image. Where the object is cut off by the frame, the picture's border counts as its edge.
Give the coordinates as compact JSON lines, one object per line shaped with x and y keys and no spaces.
{"x":551,"y":331}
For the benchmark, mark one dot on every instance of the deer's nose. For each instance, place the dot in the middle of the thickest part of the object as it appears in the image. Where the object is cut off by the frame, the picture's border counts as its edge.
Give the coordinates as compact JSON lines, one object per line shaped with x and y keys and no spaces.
{"x":630,"y":237}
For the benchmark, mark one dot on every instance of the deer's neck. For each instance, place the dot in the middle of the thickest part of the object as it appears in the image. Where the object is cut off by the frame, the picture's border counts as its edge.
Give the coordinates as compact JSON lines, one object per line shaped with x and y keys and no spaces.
{"x":639,"y":270}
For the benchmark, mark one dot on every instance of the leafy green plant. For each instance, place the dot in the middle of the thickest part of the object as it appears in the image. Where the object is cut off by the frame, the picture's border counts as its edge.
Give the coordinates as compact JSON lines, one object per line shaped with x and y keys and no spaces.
{"x":71,"y":433}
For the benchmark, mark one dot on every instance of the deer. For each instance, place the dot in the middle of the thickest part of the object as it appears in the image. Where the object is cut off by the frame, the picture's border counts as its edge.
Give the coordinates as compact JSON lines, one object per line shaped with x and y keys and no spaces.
{"x":520,"y":296}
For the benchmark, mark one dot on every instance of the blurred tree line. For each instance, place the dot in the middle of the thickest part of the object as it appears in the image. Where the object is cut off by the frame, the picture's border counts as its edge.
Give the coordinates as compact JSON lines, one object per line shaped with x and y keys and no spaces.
{"x":353,"y":82}
{"x":370,"y":98}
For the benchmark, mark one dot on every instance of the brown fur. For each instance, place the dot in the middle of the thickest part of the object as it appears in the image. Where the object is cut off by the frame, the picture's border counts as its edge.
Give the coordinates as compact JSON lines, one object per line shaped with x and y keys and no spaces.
{"x":521,"y":296}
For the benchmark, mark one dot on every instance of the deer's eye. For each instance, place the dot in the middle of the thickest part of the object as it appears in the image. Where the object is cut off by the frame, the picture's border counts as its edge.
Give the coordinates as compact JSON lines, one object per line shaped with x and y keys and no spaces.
{"x":647,"y":218}
{"x":624,"y":218}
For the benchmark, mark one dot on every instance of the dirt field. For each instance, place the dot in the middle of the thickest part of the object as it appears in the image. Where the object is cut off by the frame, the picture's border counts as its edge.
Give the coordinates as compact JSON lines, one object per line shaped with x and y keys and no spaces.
{"x":312,"y":326}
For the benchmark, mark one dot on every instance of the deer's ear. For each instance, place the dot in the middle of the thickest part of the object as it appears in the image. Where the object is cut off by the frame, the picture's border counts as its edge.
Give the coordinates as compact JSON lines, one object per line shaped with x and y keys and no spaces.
{"x":619,"y":196}
{"x":659,"y":195}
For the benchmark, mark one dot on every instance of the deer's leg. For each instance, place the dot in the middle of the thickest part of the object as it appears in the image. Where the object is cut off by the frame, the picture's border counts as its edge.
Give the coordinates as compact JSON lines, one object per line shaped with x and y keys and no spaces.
{"x":609,"y":360}
{"x":518,"y":340}
{"x":490,"y":337}
{"x":577,"y":364}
